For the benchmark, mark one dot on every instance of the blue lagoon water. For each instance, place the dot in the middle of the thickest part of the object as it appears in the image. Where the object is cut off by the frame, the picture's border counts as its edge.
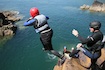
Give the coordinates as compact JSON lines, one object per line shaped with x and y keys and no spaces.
{"x":24,"y":50}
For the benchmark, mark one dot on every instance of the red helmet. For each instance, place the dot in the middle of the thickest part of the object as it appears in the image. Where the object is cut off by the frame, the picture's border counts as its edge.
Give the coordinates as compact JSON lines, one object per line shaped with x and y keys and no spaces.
{"x":34,"y":12}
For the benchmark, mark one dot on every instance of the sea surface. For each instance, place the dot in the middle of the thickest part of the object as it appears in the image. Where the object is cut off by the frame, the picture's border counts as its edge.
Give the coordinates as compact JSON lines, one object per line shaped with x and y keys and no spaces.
{"x":24,"y":51}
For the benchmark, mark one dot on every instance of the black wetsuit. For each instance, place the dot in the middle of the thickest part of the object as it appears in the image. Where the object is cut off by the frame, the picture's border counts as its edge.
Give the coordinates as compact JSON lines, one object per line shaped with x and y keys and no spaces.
{"x":92,"y":40}
{"x":46,"y":39}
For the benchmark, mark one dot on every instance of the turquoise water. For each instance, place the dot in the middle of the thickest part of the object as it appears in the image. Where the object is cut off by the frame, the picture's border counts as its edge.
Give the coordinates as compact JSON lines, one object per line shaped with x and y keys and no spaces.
{"x":24,"y":50}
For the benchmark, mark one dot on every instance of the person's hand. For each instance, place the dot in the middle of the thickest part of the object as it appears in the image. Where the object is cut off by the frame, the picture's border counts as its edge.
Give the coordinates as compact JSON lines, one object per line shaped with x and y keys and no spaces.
{"x":79,"y":45}
{"x":30,"y":19}
{"x":75,"y":32}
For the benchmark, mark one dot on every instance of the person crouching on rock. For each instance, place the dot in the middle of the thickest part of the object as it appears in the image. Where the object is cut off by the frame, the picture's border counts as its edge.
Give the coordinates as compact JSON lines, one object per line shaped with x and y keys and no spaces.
{"x":93,"y":42}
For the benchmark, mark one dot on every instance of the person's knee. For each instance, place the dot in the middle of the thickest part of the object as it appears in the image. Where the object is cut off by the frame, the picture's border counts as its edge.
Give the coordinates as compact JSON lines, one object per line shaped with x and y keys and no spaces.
{"x":79,"y":46}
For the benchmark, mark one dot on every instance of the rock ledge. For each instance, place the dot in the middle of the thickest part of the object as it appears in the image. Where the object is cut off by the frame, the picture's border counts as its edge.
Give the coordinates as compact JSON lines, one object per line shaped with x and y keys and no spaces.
{"x":95,"y":7}
{"x":7,"y":20}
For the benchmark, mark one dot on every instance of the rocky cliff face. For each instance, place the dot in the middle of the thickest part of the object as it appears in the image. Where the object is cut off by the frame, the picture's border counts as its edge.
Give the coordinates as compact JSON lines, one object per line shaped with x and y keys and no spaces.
{"x":7,"y":20}
{"x":96,"y":7}
{"x":82,"y":63}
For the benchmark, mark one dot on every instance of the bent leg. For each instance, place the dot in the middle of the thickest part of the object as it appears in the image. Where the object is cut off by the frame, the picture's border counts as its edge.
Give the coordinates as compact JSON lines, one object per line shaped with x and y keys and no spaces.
{"x":59,"y":56}
{"x":74,"y":53}
{"x":86,"y":52}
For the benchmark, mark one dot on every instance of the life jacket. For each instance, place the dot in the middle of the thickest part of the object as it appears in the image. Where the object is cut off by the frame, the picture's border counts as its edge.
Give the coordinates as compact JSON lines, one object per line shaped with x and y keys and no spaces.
{"x":96,"y":46}
{"x":99,"y":45}
{"x":41,"y":24}
{"x":96,"y":49}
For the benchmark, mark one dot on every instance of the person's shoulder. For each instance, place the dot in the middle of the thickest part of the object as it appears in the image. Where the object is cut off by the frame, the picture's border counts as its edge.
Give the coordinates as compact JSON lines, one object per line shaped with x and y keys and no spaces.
{"x":45,"y":16}
{"x":100,"y":32}
{"x":41,"y":15}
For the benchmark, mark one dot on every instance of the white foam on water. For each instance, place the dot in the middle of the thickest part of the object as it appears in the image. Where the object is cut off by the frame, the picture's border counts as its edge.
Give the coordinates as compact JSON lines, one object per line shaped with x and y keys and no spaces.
{"x":51,"y":56}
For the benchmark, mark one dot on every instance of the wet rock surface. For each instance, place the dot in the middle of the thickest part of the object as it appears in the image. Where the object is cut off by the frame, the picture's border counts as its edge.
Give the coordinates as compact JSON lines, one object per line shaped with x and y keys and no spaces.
{"x":95,"y":7}
{"x":7,"y":20}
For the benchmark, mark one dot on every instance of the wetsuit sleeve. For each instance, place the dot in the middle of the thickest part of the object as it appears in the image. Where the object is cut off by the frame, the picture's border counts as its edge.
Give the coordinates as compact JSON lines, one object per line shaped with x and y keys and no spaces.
{"x":84,"y":40}
{"x":29,"y":22}
{"x":47,"y":17}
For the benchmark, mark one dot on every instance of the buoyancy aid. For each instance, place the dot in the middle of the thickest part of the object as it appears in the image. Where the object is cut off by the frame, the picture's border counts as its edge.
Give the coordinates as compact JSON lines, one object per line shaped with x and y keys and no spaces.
{"x":99,"y":45}
{"x":41,"y":24}
{"x":96,"y":49}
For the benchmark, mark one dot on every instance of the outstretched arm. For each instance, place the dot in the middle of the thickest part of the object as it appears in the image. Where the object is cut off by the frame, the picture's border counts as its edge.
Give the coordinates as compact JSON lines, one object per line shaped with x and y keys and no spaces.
{"x":83,"y":40}
{"x":29,"y":22}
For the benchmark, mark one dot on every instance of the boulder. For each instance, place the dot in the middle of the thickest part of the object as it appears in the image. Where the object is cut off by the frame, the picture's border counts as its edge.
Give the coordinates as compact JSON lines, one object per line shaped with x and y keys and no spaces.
{"x":7,"y":19}
{"x":85,"y":7}
{"x":70,"y":64}
{"x":102,"y":58}
{"x":2,"y":19}
{"x":95,"y":7}
{"x":1,"y":32}
{"x":82,"y":63}
{"x":6,"y":30}
{"x":12,"y":15}
{"x":97,"y":3}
